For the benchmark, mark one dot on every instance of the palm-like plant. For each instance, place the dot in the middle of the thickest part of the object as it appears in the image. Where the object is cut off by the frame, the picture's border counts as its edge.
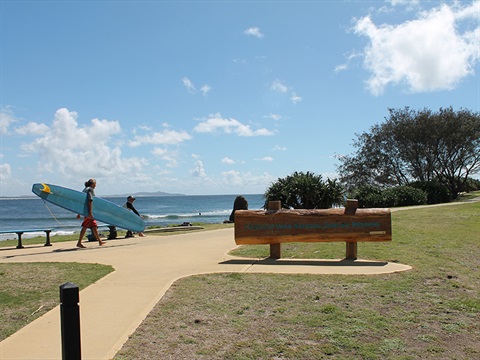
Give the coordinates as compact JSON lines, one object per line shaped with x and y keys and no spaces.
{"x":305,"y":191}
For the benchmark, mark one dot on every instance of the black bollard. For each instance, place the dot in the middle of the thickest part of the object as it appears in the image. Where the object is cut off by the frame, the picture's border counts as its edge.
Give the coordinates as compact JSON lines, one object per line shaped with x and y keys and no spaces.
{"x":70,"y":321}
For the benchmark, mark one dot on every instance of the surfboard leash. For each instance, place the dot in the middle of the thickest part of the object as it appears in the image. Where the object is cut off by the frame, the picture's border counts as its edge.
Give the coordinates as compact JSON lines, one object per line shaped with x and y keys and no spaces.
{"x":51,"y":213}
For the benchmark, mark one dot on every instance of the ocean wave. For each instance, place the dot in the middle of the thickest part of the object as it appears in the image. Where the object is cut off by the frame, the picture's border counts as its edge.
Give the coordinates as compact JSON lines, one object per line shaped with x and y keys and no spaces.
{"x":189,"y":215}
{"x":53,"y":233}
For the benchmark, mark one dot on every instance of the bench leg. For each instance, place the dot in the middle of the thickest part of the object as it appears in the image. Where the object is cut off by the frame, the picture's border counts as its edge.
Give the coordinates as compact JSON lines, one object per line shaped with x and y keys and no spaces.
{"x":20,"y":246}
{"x":275,"y":251}
{"x":47,"y":235}
{"x":351,"y":253}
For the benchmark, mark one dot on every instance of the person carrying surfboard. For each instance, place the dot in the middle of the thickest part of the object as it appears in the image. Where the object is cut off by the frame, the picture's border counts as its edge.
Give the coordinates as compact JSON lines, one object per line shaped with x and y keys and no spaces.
{"x":89,"y":222}
{"x":129,"y":206}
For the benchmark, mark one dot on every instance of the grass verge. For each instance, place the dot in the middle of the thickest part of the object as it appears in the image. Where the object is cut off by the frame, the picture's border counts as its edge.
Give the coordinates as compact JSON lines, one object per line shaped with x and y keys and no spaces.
{"x":430,"y":312}
{"x":29,"y":290}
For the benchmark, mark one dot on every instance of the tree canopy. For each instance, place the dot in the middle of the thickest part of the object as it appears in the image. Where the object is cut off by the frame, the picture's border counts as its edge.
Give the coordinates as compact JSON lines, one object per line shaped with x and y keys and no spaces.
{"x":414,"y":146}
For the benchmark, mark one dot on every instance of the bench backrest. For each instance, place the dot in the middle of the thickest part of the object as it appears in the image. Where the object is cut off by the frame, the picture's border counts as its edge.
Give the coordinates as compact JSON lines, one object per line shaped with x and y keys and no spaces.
{"x":319,"y":225}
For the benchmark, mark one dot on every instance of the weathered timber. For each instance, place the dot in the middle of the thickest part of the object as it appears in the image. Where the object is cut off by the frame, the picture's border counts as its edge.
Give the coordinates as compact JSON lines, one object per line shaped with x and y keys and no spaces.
{"x":276,"y":248}
{"x":350,"y":225}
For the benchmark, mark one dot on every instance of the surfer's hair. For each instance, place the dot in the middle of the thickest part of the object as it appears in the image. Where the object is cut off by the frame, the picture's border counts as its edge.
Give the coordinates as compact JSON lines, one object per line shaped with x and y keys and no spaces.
{"x":90,"y":182}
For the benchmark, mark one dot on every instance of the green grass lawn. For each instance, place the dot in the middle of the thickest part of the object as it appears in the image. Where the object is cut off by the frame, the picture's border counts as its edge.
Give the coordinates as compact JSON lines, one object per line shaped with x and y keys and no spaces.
{"x":429,"y":312}
{"x":29,"y":290}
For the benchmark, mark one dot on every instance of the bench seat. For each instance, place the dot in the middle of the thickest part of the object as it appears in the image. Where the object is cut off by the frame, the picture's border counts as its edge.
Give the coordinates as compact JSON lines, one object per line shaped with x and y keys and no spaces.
{"x":21,"y":232}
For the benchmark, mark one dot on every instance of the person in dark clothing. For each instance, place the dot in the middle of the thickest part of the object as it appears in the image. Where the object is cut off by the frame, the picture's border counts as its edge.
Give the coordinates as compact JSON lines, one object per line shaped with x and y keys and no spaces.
{"x":129,"y":206}
{"x":240,"y":203}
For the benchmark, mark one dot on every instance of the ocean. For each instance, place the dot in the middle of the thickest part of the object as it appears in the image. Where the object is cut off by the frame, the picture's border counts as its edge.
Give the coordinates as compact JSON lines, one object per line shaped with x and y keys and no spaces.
{"x":35,"y":213}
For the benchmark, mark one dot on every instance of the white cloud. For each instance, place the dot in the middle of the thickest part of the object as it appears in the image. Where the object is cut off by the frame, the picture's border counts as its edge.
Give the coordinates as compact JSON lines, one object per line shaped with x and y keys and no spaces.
{"x":188,"y":85}
{"x":279,"y":148}
{"x":265,"y":158}
{"x":235,"y":179}
{"x":77,"y":152}
{"x":426,"y":54}
{"x":239,"y":61}
{"x":169,"y":156}
{"x":340,"y":67}
{"x":345,"y":66}
{"x":278,"y":86}
{"x":404,"y":2}
{"x":32,"y":128}
{"x":6,"y":119}
{"x":205,"y":89}
{"x":198,"y":170}
{"x":275,"y":117}
{"x":146,"y":128}
{"x":295,"y":98}
{"x":165,"y":137}
{"x":227,"y":160}
{"x":254,"y":31}
{"x":229,"y":126}
{"x":5,"y":171}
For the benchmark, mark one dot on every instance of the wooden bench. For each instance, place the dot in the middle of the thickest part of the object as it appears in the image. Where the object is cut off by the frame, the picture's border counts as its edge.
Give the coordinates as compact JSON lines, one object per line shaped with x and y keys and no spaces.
{"x":21,"y":232}
{"x":276,"y":226}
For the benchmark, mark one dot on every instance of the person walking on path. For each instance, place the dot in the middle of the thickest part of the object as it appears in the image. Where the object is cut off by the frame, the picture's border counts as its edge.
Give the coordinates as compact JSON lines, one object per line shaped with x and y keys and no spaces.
{"x":89,"y":222}
{"x":129,"y":206}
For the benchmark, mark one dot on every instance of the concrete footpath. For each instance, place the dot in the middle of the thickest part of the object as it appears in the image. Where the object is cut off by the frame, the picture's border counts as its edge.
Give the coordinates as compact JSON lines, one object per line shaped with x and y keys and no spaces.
{"x":112,"y":308}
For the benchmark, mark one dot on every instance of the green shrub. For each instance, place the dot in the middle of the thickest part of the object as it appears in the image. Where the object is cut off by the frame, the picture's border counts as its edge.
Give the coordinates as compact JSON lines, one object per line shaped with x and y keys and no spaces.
{"x":305,"y":191}
{"x":374,"y":200}
{"x":436,"y":192}
{"x":367,"y":196}
{"x":372,"y":196}
{"x":472,"y":185}
{"x":404,"y":196}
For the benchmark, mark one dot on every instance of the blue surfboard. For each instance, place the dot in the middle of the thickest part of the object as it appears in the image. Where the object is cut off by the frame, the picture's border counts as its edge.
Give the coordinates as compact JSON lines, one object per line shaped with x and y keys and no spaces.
{"x":102,"y":210}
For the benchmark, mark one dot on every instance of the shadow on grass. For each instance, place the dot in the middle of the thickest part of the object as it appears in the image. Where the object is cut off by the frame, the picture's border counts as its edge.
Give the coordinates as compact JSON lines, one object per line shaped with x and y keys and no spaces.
{"x":281,"y":262}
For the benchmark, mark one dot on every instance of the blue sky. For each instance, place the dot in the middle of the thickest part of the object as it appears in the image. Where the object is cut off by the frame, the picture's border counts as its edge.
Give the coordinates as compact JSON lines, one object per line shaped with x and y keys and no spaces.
{"x":216,"y":97}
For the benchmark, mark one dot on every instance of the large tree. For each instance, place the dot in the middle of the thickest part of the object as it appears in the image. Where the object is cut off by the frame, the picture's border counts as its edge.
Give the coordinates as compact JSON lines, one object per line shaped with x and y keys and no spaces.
{"x":416,"y":146}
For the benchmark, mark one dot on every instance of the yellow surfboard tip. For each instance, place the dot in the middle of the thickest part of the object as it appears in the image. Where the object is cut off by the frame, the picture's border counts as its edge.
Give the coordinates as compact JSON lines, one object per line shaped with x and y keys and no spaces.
{"x":46,"y":188}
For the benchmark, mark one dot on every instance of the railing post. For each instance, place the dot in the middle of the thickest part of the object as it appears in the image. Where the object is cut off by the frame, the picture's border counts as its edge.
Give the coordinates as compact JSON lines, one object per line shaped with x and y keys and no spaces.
{"x":70,"y":321}
{"x":275,"y":249}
